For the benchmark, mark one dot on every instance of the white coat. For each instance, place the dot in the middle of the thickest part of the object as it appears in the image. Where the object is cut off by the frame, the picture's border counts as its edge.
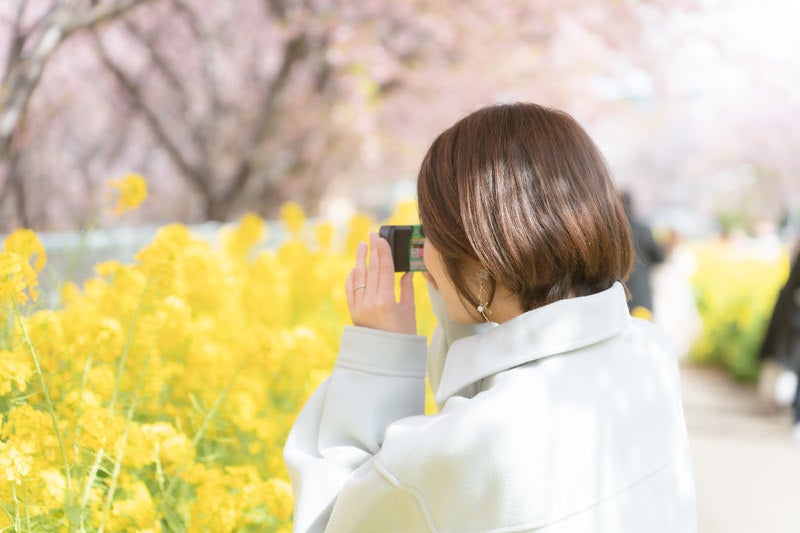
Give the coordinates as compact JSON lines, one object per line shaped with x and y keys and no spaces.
{"x":567,"y":418}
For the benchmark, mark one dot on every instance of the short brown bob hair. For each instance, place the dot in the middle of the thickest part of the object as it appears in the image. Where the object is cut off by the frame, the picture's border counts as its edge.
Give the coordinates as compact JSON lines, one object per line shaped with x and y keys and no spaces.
{"x":522,"y":191}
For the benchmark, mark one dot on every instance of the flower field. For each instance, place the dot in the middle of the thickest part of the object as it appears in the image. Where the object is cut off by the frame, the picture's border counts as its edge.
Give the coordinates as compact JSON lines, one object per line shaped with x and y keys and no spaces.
{"x":158,"y":395}
{"x":735,"y":291}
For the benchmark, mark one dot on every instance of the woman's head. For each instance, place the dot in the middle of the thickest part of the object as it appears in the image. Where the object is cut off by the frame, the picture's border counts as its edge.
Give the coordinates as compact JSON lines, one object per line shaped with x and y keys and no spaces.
{"x":522,"y":192}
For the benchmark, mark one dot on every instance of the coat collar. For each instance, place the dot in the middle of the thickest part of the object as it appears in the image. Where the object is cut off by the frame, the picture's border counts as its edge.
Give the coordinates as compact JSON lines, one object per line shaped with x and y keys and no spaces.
{"x":554,"y":329}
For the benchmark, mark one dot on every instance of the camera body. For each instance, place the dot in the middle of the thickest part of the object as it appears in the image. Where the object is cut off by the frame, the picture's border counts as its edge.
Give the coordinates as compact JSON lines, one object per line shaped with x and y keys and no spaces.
{"x":407,"y":244}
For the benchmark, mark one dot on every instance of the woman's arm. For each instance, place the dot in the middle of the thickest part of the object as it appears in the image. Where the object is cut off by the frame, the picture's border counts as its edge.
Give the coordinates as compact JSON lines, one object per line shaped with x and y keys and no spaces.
{"x":379,"y":378}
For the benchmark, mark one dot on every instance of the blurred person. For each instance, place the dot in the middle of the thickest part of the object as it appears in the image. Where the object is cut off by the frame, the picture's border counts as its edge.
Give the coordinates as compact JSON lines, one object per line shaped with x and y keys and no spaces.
{"x":673,"y":295}
{"x":648,"y":253}
{"x":558,"y":411}
{"x":782,"y":344}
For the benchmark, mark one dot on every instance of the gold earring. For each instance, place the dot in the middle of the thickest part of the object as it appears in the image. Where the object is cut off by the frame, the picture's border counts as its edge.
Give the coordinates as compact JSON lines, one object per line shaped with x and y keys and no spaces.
{"x":483,"y":309}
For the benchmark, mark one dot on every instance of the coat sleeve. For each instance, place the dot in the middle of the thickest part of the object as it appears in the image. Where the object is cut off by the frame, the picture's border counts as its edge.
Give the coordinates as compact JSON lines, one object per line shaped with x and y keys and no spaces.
{"x":378,"y":378}
{"x":373,"y":500}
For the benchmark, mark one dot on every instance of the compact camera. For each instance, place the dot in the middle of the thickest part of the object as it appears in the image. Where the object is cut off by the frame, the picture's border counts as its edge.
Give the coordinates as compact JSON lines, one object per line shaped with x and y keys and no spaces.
{"x":406,"y":243}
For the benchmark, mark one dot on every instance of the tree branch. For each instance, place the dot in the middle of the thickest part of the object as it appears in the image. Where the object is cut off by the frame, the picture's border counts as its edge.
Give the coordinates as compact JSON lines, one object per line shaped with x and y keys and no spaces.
{"x":15,"y":43}
{"x":149,"y":44}
{"x":207,"y":40}
{"x":296,"y":50}
{"x":199,"y":130}
{"x":95,"y":15}
{"x":196,"y":176}
{"x":26,"y":69}
{"x":205,"y":133}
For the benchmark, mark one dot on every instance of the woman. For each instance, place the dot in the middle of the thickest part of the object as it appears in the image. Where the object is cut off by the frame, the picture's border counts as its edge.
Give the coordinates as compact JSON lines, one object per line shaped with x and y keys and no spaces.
{"x":558,"y":411}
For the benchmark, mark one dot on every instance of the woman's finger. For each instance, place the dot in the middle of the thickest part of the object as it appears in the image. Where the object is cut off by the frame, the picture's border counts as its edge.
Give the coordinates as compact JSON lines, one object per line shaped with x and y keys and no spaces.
{"x":385,"y":270}
{"x":373,"y":274}
{"x":348,"y":290}
{"x":407,"y":290}
{"x":360,"y":273}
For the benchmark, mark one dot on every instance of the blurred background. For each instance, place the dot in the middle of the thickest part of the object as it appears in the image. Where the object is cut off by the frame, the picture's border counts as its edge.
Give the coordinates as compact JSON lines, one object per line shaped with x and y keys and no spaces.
{"x":235,"y":107}
{"x":228,"y":107}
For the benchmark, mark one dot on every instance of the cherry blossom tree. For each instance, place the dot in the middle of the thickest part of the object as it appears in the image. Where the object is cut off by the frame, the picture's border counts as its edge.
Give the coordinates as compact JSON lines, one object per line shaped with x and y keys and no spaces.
{"x":233,"y":106}
{"x":37,"y":29}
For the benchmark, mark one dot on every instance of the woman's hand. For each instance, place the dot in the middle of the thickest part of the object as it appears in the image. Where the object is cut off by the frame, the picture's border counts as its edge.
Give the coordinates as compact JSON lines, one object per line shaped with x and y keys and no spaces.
{"x":370,"y":291}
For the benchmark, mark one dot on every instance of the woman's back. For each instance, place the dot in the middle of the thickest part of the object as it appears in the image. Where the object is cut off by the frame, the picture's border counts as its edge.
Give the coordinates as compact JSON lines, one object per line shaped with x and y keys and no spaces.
{"x":587,"y":439}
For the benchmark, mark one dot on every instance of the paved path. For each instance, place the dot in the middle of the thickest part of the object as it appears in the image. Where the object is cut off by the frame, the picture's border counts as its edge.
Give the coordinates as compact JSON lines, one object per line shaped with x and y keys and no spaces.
{"x":747,"y":467}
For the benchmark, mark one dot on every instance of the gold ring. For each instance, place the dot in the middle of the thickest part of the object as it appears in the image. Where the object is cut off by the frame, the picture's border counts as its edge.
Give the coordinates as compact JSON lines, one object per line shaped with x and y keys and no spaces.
{"x":359,"y":287}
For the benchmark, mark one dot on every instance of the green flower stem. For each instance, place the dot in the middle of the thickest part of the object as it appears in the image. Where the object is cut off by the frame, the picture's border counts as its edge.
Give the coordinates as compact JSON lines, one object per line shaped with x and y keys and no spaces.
{"x":206,"y":420}
{"x":45,"y":391}
{"x":88,"y":488}
{"x":124,"y":355}
{"x":16,"y":503}
{"x":123,"y":441}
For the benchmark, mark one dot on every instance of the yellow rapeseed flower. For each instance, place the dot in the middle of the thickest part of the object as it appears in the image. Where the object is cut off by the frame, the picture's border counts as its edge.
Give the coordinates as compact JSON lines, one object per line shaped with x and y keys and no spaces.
{"x":359,"y":228}
{"x":240,"y":239}
{"x":279,"y":498}
{"x":26,"y":243}
{"x":404,"y":213}
{"x":132,"y":192}
{"x":135,"y":513}
{"x":53,"y":488}
{"x":15,"y":369}
{"x":212,"y":350}
{"x":99,"y":428}
{"x":293,"y":216}
{"x":17,"y":278}
{"x":735,"y":291}
{"x":14,"y":464}
{"x":324,"y":232}
{"x":167,"y":446}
